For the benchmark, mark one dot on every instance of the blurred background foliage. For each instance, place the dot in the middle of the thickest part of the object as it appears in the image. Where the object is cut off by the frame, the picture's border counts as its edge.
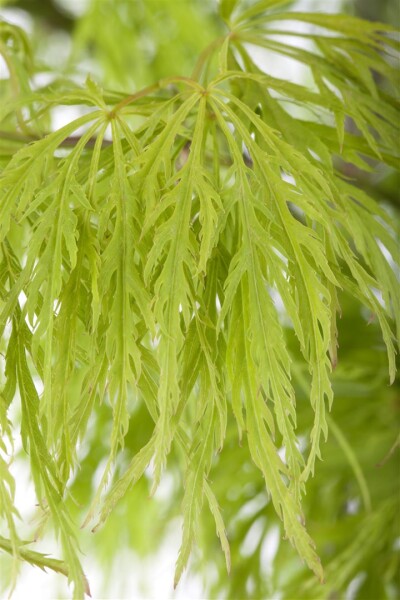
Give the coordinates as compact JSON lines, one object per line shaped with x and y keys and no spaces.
{"x":352,"y":503}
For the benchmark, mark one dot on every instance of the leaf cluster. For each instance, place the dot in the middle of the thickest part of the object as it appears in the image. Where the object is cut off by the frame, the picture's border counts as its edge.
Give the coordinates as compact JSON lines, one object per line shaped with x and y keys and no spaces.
{"x":155,"y":251}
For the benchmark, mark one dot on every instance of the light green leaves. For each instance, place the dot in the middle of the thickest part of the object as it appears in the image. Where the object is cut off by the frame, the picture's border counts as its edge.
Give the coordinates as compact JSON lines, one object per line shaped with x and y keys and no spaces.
{"x":156,"y":251}
{"x":44,"y":470}
{"x":226,"y":8}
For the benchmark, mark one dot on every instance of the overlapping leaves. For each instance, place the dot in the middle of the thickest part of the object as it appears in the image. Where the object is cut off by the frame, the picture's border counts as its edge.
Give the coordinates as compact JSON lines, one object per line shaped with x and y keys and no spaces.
{"x":149,"y":269}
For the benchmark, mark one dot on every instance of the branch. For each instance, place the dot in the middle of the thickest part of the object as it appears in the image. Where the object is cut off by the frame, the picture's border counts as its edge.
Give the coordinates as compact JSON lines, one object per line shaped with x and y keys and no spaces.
{"x":69,"y":142}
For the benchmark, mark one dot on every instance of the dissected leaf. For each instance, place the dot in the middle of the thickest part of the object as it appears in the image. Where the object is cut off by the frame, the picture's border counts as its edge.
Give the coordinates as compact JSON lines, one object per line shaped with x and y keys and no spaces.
{"x":174,"y":252}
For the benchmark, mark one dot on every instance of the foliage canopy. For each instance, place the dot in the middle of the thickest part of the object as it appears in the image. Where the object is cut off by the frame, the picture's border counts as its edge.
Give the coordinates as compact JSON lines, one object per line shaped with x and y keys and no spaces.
{"x":179,"y":255}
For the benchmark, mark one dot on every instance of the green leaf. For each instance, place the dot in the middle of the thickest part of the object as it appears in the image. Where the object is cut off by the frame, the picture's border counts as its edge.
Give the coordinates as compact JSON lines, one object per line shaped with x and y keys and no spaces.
{"x":173,"y":263}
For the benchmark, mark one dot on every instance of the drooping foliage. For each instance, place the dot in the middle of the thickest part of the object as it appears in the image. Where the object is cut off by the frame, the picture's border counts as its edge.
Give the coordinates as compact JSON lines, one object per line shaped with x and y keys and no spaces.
{"x":158,"y":252}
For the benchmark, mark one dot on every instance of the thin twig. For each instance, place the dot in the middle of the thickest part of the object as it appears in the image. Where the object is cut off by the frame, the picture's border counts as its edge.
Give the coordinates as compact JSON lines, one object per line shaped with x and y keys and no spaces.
{"x":69,"y":142}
